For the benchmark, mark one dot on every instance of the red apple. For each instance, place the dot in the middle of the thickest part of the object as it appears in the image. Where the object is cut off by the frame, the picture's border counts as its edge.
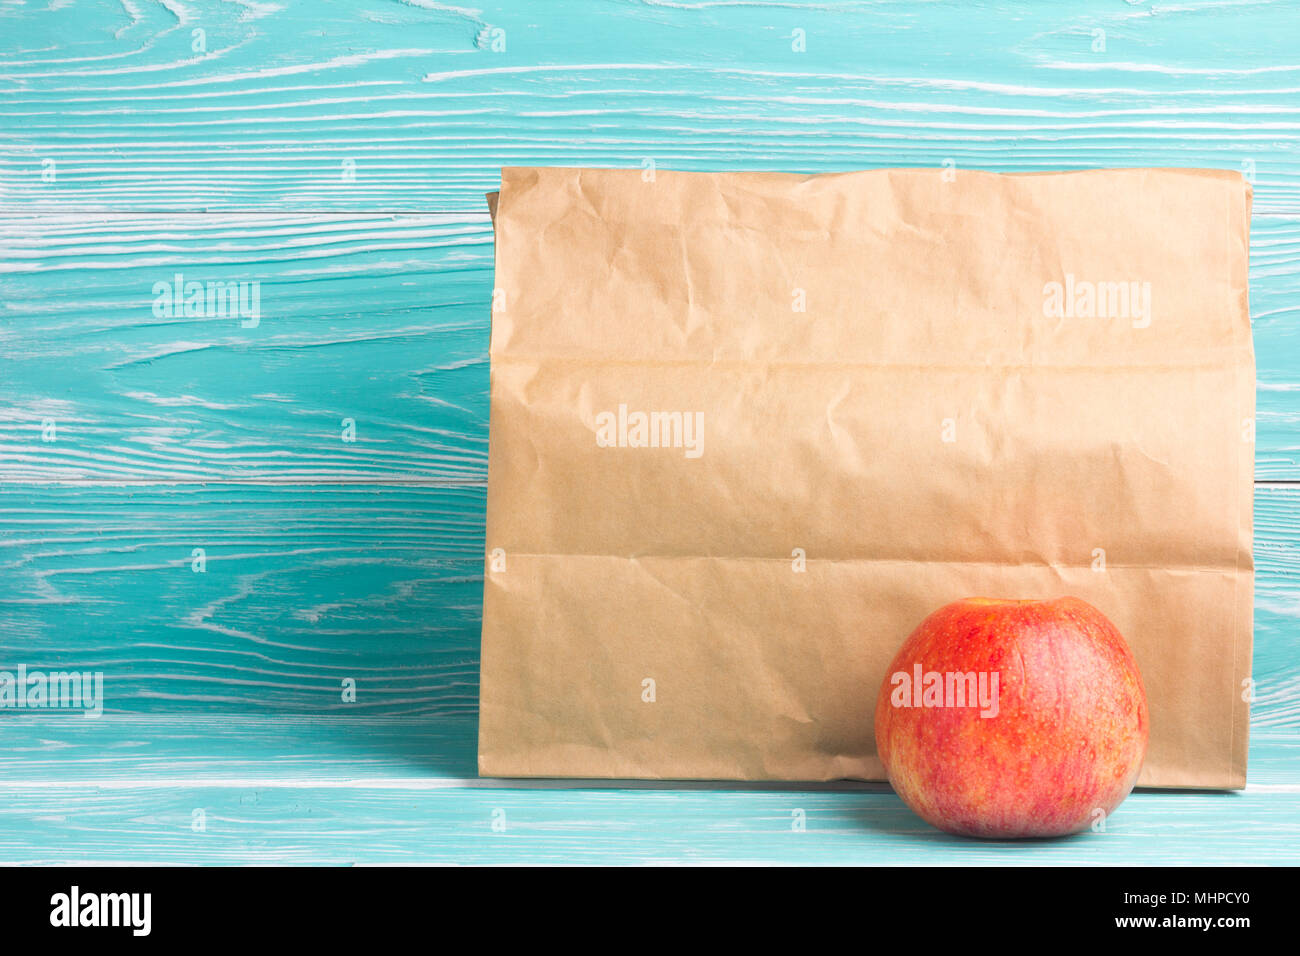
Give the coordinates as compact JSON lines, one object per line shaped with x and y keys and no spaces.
{"x":1007,"y":719}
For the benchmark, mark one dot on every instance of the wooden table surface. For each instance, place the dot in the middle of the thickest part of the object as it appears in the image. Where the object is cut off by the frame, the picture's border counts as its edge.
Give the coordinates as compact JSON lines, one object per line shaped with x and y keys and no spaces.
{"x":337,"y":154}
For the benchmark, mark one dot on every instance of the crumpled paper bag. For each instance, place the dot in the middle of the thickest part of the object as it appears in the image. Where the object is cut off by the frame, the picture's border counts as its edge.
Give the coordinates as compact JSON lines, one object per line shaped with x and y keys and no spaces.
{"x":749,"y":429}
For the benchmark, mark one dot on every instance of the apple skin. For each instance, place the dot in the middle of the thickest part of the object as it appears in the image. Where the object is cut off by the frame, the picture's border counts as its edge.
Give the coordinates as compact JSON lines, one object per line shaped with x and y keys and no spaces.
{"x":1068,"y":738}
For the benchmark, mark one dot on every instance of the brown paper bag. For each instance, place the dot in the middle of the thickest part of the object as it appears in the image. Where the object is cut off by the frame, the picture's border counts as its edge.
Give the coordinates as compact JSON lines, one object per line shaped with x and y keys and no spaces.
{"x":749,"y":429}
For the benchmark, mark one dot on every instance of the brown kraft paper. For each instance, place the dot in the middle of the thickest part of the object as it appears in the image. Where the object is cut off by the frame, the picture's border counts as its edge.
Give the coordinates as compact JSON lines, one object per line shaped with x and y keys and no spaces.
{"x":749,"y":429}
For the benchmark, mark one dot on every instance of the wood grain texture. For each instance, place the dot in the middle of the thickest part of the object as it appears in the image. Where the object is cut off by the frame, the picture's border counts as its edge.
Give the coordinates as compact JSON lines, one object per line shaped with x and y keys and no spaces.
{"x":429,"y":102}
{"x":336,"y":154}
{"x":363,"y":824}
{"x":381,"y":319}
{"x":403,"y":790}
{"x":307,"y":586}
{"x":428,"y":752}
{"x":303,"y":588}
{"x":1277,"y":609}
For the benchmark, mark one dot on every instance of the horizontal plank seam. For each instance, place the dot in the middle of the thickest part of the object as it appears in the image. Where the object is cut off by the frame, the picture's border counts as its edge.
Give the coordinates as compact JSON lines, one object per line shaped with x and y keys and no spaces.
{"x":42,"y":210}
{"x":431,"y":483}
{"x":147,"y":782}
{"x":288,"y":482}
{"x":1282,"y":209}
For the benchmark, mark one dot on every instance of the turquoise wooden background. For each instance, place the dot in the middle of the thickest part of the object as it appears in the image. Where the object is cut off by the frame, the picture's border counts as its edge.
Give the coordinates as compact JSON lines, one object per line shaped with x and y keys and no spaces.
{"x":337,"y":153}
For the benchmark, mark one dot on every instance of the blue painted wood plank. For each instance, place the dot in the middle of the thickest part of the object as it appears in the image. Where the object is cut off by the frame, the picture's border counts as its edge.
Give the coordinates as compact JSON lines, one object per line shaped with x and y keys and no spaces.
{"x":1275,"y":325}
{"x":306,"y":586}
{"x":300,"y":589}
{"x":362,"y":824}
{"x":430,"y":751}
{"x":427,"y":101}
{"x":377,"y":321}
{"x":382,"y":320}
{"x":403,"y":790}
{"x":320,"y":571}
